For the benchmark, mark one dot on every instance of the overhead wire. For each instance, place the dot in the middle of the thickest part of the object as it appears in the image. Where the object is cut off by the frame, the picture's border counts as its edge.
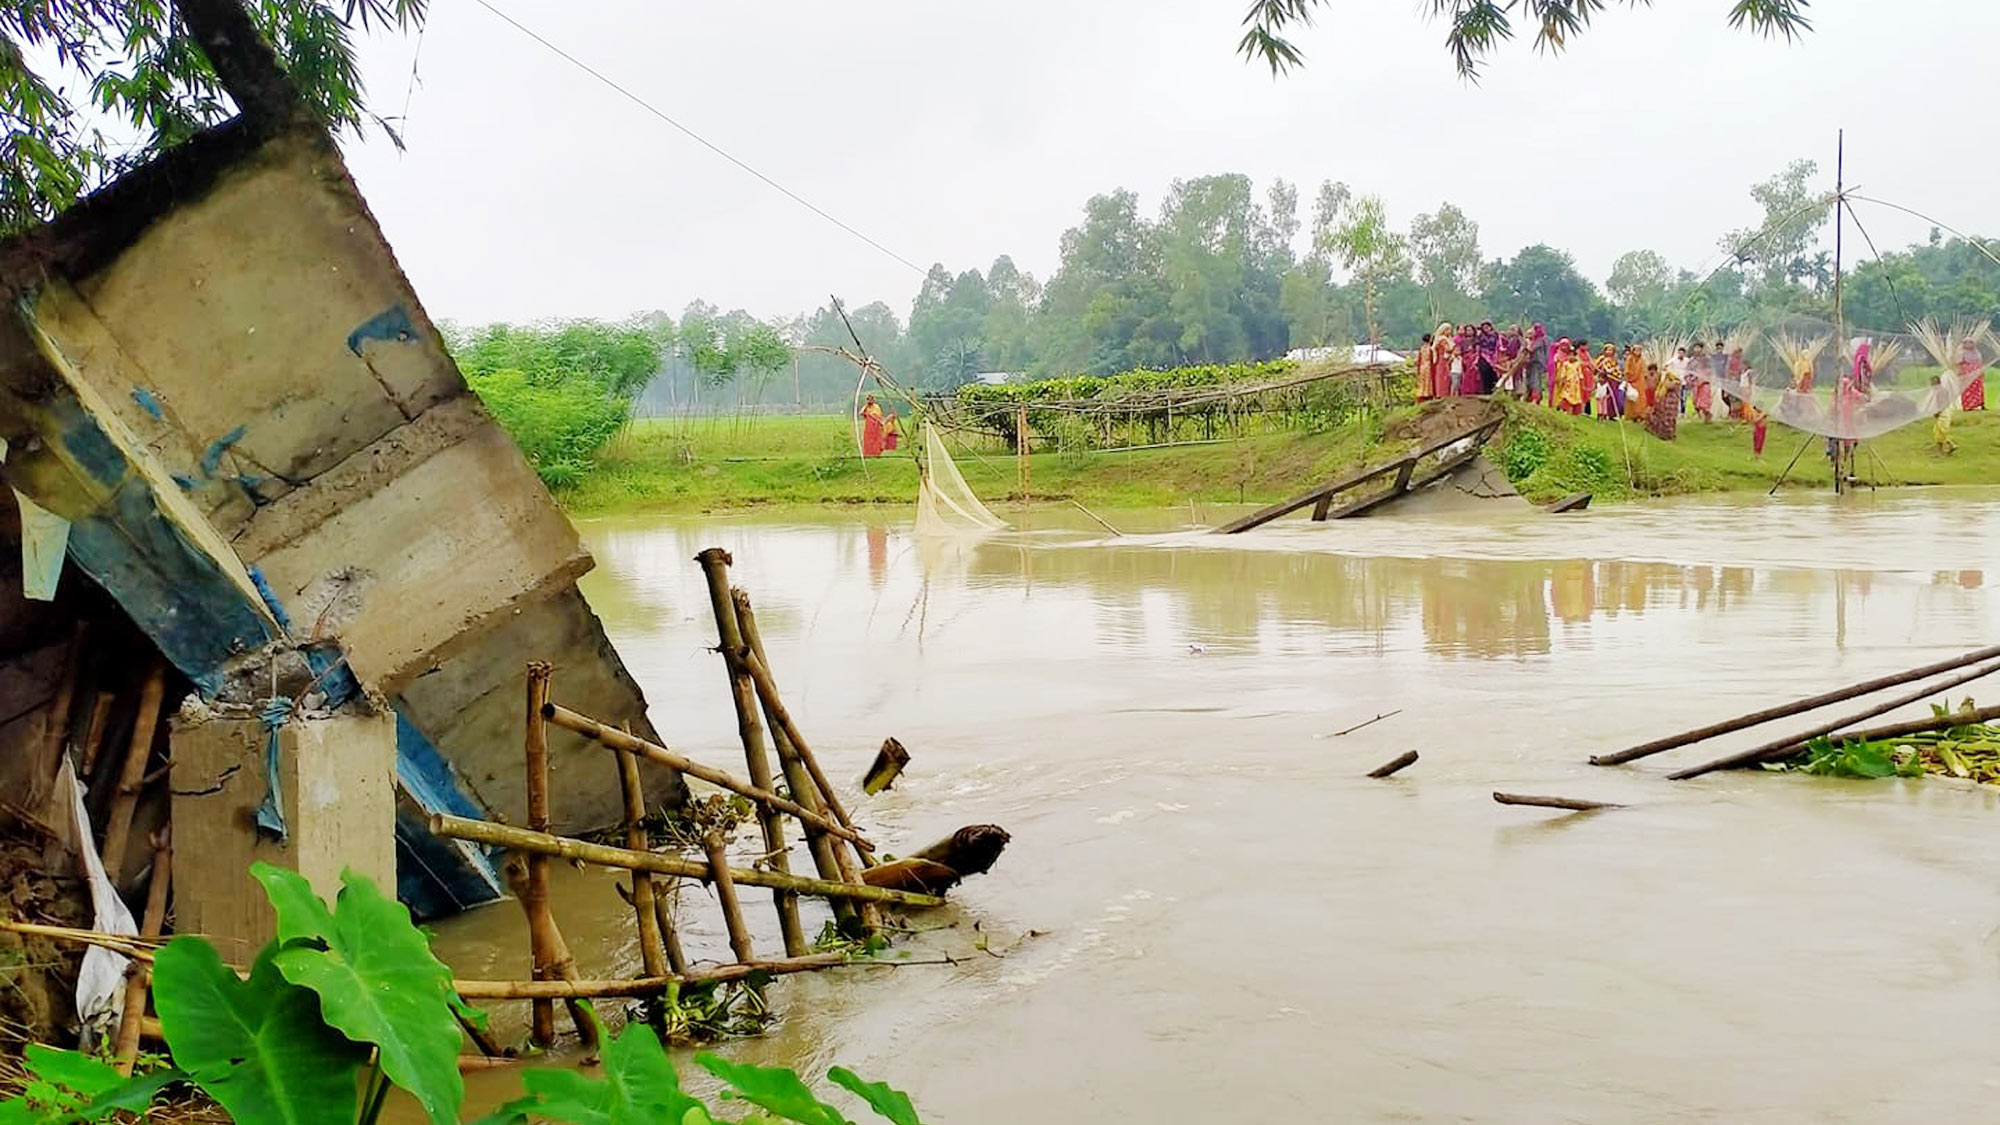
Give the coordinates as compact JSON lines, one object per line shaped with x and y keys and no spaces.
{"x":697,"y":137}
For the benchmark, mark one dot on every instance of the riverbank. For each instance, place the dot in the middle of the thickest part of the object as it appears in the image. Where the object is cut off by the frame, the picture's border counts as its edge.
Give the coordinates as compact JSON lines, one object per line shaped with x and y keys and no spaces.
{"x":720,"y":464}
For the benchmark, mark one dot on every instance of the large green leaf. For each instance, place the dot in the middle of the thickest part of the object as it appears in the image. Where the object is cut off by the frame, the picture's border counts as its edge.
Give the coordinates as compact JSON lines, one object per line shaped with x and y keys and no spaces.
{"x":882,"y":1098}
{"x":376,"y":979}
{"x":258,"y":1046}
{"x":639,"y":1087}
{"x":774,"y":1088}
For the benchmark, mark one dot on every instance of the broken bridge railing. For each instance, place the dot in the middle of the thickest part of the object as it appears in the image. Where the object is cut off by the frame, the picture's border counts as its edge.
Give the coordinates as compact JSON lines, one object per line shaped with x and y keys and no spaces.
{"x":1407,"y":480}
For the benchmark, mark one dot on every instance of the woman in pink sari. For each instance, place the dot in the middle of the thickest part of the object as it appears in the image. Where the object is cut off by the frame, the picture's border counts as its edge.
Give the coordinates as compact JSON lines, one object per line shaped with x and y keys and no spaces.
{"x":1444,"y":350}
{"x":1972,"y":370}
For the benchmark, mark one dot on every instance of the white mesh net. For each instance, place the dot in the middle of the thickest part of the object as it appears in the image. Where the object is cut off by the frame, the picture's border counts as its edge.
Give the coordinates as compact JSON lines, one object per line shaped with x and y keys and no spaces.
{"x":946,"y":505}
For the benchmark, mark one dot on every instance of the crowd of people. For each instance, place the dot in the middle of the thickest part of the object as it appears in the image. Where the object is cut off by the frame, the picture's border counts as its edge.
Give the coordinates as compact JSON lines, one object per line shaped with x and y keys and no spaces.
{"x":1568,"y":375}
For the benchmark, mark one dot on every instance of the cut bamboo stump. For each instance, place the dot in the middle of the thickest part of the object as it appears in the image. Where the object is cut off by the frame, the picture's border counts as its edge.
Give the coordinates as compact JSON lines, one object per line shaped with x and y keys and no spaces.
{"x":535,"y":899}
{"x":615,"y":739}
{"x":887,"y":767}
{"x":641,"y":987}
{"x":1569,"y":803}
{"x":1786,"y":710}
{"x":625,"y":859}
{"x":824,"y":851}
{"x":725,"y":895}
{"x":652,"y":949}
{"x":1765,"y":751}
{"x":750,"y":729}
{"x":138,"y":975}
{"x":118,"y":823}
{"x":1389,"y":769}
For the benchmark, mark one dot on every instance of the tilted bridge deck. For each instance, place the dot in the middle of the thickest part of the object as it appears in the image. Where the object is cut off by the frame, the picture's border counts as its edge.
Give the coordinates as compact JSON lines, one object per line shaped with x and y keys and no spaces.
{"x":1407,"y":481}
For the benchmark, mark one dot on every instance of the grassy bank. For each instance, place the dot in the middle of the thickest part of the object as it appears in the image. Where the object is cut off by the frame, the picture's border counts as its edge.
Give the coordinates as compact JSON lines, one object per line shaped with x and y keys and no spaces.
{"x":713,"y":464}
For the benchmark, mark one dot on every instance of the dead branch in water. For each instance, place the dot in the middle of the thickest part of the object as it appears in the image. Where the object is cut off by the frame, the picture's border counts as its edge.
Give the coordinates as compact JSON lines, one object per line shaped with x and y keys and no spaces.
{"x":1387,"y":769}
{"x":1369,"y":723}
{"x":1570,"y":803}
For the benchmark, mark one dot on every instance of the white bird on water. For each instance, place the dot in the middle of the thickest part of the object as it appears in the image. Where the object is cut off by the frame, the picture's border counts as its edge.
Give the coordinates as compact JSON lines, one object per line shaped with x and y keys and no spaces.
{"x":1197,"y":649}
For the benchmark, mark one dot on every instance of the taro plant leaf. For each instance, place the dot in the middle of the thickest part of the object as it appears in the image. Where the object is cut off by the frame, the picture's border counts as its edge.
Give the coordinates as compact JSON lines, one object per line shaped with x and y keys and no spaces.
{"x":132,"y":1095}
{"x":1864,"y":760}
{"x":883,"y":1099}
{"x":639,"y":1087}
{"x":258,"y":1046}
{"x":774,"y":1088}
{"x":376,"y":979}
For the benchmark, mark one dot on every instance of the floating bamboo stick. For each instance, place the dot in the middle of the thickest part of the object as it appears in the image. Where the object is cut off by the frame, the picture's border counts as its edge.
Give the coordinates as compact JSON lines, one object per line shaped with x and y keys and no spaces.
{"x":750,"y":729}
{"x":825,"y":852}
{"x":1569,"y":803}
{"x":887,"y":767}
{"x":1407,"y":758}
{"x":616,"y":739}
{"x":1838,"y":695}
{"x":1969,"y":718}
{"x":118,"y":823}
{"x":641,"y":987}
{"x":603,"y":855}
{"x":725,"y":895}
{"x":1763,"y":752}
{"x":138,"y":975}
{"x":535,"y":896}
{"x":652,"y":950}
{"x":768,"y":689}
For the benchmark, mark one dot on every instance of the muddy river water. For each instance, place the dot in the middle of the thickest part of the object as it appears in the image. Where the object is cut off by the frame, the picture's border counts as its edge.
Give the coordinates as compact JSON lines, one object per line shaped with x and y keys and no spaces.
{"x":1207,"y":913}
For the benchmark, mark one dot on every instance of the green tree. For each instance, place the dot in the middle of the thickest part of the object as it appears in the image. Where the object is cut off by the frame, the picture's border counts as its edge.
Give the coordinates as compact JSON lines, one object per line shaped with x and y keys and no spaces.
{"x":1370,"y":248}
{"x":1542,"y":284}
{"x":68,"y":67}
{"x":1795,"y":212}
{"x":1478,"y":26}
{"x":1445,"y":246}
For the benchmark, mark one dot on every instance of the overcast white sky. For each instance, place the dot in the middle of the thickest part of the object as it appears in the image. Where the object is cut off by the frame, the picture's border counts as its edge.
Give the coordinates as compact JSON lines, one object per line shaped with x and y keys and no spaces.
{"x":958,"y":132}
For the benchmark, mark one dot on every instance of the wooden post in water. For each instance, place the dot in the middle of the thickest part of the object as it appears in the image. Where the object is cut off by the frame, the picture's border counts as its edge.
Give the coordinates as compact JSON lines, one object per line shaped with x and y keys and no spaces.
{"x":652,"y":950}
{"x":126,"y":1050}
{"x":1021,"y":452}
{"x":725,"y":894}
{"x":714,"y":564}
{"x":823,"y":848}
{"x":535,"y":903}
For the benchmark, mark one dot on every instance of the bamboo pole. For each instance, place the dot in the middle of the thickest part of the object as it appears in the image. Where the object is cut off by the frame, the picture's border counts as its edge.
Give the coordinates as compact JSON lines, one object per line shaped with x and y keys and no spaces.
{"x":603,"y":855}
{"x":118,"y":823}
{"x":138,"y":975}
{"x":643,"y":986}
{"x":1388,"y":769}
{"x":124,"y":945}
{"x":1838,"y":695}
{"x":768,"y":688}
{"x":1569,"y":803}
{"x":1897,"y":730}
{"x":885,"y":769}
{"x":535,"y":900}
{"x":616,"y":739}
{"x":56,"y":738}
{"x":756,"y":754}
{"x":825,"y":852}
{"x":480,"y":1039}
{"x":93,"y":738}
{"x":652,"y":950}
{"x":663,"y":915}
{"x":725,"y":896}
{"x":1762,"y":752}
{"x":553,"y":960}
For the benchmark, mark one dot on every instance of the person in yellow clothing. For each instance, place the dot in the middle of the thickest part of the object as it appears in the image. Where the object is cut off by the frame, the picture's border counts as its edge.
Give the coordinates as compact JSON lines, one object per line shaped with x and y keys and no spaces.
{"x":1568,"y":392}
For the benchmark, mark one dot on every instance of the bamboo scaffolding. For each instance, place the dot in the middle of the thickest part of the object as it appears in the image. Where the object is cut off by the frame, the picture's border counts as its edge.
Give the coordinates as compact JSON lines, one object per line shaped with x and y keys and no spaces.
{"x":652,"y":948}
{"x":824,"y":850}
{"x":768,"y":688}
{"x":535,"y":902}
{"x":1389,"y":769}
{"x":603,"y":855}
{"x":669,"y":933}
{"x":1762,"y":752}
{"x":118,"y":822}
{"x":725,"y":896}
{"x":615,"y":739}
{"x":1755,"y":718}
{"x":756,"y":754}
{"x":139,"y":974}
{"x":1972,"y":717}
{"x":1570,"y":803}
{"x":641,"y":987}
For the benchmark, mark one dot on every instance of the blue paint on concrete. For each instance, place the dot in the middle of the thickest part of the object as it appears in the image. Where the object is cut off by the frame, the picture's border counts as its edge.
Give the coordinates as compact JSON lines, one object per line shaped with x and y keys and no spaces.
{"x":211,"y":458}
{"x":149,"y":404}
{"x":391,"y":324}
{"x":187,"y":483}
{"x":88,"y":445}
{"x":465,"y":876}
{"x":330,"y":671}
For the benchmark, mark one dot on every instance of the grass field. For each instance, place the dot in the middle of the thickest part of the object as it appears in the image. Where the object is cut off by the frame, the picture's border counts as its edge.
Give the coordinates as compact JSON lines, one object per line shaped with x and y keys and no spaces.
{"x":714,"y":464}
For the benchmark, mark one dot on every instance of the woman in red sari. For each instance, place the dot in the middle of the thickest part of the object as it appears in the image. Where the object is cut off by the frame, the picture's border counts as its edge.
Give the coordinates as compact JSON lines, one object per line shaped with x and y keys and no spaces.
{"x":1972,"y":369}
{"x":871,"y":429}
{"x":1444,"y":354}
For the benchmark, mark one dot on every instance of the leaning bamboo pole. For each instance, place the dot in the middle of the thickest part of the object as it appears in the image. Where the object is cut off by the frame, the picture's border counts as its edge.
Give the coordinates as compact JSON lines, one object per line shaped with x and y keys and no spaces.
{"x":750,"y":729}
{"x":643,"y":986}
{"x":535,"y":902}
{"x":725,"y":896}
{"x":615,"y":739}
{"x":1762,"y":752}
{"x":768,"y":689}
{"x":1974,"y":717}
{"x":1813,"y":702}
{"x":138,"y":974}
{"x":56,"y":736}
{"x":131,"y":775}
{"x":603,"y":855}
{"x":93,"y":738}
{"x":652,"y":949}
{"x":825,"y":851}
{"x":663,"y":914}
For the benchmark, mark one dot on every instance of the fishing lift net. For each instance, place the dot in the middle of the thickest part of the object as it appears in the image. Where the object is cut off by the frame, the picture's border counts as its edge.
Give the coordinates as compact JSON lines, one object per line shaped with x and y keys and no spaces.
{"x":946,"y":505}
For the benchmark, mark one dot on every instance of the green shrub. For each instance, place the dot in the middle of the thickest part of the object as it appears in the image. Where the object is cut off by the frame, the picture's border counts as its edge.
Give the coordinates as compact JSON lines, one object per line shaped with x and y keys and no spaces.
{"x":560,"y":425}
{"x":1525,"y":452}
